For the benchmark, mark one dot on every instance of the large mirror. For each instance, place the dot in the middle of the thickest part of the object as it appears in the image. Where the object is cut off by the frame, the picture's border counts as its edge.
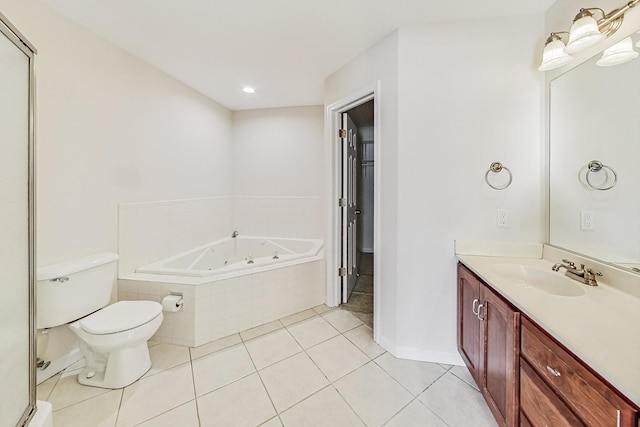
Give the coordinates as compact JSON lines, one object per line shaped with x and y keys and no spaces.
{"x":594,"y":161}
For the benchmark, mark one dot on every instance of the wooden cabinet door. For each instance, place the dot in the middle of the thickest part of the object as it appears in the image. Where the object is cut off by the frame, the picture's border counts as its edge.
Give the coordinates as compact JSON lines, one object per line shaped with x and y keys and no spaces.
{"x":499,"y":360}
{"x":469,"y":344}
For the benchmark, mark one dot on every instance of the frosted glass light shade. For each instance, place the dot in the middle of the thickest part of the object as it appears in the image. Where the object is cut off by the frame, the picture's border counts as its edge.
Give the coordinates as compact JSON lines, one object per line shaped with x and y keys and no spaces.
{"x":619,"y":53}
{"x":584,"y":34}
{"x":554,"y":56}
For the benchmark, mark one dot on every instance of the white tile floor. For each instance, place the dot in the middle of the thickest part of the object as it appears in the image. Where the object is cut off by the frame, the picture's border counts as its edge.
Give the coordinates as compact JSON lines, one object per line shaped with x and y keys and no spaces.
{"x":315,"y":368}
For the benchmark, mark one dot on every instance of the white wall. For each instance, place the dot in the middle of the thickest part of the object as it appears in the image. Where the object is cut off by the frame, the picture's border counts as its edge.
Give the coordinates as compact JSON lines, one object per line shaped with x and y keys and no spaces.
{"x":111,"y":129}
{"x":376,"y":66}
{"x":278,"y":152}
{"x":463,"y":95}
{"x":470,"y":95}
{"x":277,"y":173}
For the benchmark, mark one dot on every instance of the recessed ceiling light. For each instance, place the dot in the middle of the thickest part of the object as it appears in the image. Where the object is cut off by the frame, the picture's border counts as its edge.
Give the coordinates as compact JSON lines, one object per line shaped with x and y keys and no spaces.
{"x":248,"y":89}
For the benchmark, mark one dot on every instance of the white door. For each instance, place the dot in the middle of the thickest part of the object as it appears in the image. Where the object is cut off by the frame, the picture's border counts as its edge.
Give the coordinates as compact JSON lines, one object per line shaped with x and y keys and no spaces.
{"x":349,"y":207}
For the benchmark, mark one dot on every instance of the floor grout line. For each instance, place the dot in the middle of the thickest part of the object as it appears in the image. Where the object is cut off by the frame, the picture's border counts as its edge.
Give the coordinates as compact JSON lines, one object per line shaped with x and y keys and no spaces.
{"x":349,"y":405}
{"x":119,"y":406}
{"x":432,"y":411}
{"x":278,"y":414}
{"x":261,"y":381}
{"x":195,"y":393}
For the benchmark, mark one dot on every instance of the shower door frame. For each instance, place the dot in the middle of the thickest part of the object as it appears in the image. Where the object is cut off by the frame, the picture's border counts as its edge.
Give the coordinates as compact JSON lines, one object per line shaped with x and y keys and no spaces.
{"x":16,"y":37}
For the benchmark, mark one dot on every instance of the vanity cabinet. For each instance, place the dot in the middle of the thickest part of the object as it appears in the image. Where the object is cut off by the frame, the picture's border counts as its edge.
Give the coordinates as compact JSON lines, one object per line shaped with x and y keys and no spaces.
{"x":488,"y":329}
{"x":468,"y":321}
{"x":550,"y":374}
{"x":526,"y":377}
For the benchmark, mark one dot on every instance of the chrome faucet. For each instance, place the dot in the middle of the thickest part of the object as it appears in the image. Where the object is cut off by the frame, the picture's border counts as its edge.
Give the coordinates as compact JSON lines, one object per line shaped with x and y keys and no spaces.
{"x":568,"y":266}
{"x":235,"y":234}
{"x":586,"y":276}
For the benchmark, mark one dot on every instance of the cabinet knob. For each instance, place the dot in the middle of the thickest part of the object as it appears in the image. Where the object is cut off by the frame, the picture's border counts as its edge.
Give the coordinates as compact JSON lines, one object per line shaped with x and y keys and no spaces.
{"x":478,"y":314}
{"x":553,"y":371}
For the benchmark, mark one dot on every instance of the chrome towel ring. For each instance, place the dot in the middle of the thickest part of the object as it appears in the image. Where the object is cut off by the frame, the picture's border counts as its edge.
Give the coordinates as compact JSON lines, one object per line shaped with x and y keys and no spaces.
{"x":497,"y":167}
{"x":597,"y":166}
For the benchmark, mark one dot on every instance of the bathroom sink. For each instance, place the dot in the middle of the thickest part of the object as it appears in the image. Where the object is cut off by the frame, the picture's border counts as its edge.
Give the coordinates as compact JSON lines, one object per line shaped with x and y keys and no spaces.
{"x":542,"y":280}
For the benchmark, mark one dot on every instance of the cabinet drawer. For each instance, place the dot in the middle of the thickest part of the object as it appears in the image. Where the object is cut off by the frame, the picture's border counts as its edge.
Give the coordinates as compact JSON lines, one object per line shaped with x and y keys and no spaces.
{"x":589,"y":397}
{"x":540,"y":405}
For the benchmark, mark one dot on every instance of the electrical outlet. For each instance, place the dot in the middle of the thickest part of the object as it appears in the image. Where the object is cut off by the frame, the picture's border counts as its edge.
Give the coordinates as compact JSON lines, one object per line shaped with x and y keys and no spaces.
{"x":587,"y":220}
{"x":502,"y":218}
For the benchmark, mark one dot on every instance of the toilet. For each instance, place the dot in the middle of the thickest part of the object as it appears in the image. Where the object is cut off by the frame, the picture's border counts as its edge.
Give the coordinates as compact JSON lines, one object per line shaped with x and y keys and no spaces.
{"x":113,"y":338}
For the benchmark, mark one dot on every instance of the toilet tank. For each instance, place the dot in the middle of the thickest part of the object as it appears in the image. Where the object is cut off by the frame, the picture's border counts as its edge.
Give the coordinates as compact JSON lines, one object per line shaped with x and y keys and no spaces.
{"x":73,"y":289}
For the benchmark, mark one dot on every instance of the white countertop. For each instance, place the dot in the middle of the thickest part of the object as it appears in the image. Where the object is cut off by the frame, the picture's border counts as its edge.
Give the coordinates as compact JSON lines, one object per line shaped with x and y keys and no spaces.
{"x":601,"y":327}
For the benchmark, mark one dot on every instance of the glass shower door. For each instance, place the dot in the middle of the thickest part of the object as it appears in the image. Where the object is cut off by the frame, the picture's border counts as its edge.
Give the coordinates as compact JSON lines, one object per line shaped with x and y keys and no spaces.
{"x":17,"y":397}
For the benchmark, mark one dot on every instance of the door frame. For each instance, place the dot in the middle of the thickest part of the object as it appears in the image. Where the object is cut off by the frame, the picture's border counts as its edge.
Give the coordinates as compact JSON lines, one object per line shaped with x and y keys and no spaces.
{"x":332,"y":160}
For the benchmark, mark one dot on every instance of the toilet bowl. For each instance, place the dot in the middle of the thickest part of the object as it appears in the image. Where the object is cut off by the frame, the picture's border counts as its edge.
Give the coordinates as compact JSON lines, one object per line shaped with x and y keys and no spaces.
{"x":113,"y":341}
{"x":113,"y":338}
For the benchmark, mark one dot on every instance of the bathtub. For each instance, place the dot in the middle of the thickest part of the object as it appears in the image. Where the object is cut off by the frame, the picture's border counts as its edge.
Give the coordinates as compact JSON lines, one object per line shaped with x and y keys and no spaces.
{"x":231,"y":285}
{"x":234,"y":254}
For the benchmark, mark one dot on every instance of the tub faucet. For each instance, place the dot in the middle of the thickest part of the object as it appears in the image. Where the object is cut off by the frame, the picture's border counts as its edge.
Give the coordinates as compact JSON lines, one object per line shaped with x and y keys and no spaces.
{"x":235,"y":234}
{"x":586,"y":276}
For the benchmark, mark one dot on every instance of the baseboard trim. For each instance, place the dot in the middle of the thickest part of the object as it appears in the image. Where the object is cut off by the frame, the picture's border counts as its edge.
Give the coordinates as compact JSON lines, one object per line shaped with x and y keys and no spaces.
{"x":420,"y":355}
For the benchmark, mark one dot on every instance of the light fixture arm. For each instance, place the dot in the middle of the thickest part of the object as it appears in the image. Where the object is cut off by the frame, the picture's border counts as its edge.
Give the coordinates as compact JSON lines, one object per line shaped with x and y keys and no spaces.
{"x":611,"y":22}
{"x":555,"y":36}
{"x":586,"y":11}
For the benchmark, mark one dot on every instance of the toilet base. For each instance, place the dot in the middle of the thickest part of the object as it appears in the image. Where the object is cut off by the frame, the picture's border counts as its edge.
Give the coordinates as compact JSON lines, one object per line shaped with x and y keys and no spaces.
{"x":117,"y":369}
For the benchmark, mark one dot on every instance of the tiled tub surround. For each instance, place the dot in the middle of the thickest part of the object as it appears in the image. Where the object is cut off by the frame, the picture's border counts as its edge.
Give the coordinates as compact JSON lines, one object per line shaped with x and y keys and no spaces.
{"x":222,"y":305}
{"x":151,"y":231}
{"x":297,"y":217}
{"x":600,"y":327}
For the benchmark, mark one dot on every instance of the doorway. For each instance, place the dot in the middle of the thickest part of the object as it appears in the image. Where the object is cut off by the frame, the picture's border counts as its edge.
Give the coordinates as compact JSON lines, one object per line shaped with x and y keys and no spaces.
{"x":357,"y":210}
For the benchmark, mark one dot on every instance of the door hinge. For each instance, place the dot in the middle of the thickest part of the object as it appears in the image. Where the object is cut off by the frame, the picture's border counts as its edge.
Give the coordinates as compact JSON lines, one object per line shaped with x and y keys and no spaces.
{"x":342,"y":133}
{"x":342,"y":271}
{"x":342,"y":202}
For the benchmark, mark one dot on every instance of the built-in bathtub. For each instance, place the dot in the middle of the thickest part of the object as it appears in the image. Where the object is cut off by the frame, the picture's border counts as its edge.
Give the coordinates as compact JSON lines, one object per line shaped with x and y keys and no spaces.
{"x":235,"y":254}
{"x":231,"y":285}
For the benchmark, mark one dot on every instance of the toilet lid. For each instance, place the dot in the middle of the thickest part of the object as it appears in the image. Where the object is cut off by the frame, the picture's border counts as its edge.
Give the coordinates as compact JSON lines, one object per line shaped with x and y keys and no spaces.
{"x":120,"y":316}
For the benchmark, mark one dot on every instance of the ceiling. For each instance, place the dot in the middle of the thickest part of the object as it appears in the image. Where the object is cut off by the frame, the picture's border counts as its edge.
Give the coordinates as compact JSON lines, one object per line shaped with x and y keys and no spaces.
{"x":283,"y":48}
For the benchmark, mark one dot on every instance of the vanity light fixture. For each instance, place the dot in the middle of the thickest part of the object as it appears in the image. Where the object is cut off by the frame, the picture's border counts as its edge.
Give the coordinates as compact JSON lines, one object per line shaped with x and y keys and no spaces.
{"x":554,"y":55}
{"x":617,"y":54}
{"x":585,"y":32}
